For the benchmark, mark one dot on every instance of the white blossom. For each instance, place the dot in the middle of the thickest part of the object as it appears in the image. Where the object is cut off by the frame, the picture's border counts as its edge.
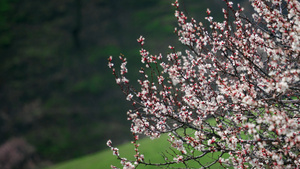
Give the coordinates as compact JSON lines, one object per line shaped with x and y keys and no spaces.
{"x":234,"y":91}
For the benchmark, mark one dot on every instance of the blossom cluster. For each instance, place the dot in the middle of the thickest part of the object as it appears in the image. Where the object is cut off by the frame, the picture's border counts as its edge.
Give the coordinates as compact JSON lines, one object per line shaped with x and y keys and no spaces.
{"x":234,"y":90}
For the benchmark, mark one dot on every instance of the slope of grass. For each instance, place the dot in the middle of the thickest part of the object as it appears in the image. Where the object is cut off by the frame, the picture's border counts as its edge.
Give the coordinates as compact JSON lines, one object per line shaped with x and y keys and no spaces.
{"x":152,"y":149}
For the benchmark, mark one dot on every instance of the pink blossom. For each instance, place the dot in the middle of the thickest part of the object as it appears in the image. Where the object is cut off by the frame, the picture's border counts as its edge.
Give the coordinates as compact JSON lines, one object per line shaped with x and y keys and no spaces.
{"x":234,"y":91}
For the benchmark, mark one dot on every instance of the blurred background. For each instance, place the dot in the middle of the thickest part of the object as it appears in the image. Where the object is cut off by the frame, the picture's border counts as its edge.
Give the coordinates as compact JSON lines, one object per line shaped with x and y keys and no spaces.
{"x":58,"y":99}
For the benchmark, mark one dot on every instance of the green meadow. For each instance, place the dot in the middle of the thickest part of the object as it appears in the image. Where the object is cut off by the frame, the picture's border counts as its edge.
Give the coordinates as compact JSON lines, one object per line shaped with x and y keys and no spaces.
{"x":152,"y":149}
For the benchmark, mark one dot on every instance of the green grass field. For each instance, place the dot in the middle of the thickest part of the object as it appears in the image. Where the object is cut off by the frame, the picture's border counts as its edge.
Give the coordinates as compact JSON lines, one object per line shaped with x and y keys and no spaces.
{"x":152,"y":149}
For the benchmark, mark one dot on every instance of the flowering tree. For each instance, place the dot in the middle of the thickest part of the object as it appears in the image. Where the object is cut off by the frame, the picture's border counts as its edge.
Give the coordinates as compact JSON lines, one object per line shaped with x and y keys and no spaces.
{"x":233,"y":92}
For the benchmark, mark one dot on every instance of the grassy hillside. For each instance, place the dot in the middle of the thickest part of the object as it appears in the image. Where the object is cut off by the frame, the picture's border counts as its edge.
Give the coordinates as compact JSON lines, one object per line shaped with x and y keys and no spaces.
{"x":152,"y":149}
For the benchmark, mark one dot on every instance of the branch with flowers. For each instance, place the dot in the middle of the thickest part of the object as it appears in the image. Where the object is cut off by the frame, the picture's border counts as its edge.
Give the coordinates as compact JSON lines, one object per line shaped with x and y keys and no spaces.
{"x":235,"y":90}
